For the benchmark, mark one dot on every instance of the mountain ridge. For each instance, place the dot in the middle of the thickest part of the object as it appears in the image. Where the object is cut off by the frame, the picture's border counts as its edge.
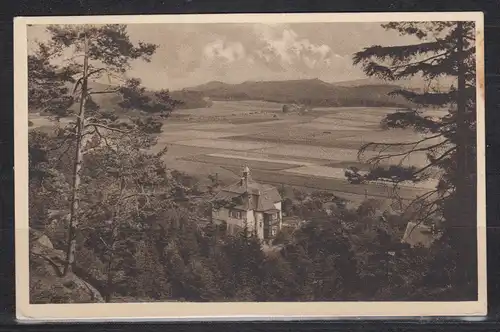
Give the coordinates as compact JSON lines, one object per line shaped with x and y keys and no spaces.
{"x":312,"y":92}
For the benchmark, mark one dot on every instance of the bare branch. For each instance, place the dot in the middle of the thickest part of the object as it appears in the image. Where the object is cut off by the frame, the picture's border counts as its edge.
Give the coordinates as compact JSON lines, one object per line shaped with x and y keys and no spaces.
{"x":433,"y":58}
{"x":365,"y":147}
{"x":78,"y":82}
{"x":95,"y":71}
{"x":436,"y":160}
{"x":108,"y":128}
{"x":64,"y":152}
{"x":104,"y":92}
{"x":147,"y":195}
{"x":66,"y":138}
{"x":380,"y":156}
{"x":104,"y":242}
{"x":104,"y":138}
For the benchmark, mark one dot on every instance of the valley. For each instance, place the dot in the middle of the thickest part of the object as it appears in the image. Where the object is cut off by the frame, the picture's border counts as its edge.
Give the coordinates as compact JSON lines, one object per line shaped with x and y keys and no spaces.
{"x":306,"y":151}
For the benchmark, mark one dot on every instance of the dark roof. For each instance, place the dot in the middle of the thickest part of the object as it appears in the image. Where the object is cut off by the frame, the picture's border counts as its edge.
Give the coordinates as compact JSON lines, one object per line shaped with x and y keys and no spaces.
{"x":250,"y":195}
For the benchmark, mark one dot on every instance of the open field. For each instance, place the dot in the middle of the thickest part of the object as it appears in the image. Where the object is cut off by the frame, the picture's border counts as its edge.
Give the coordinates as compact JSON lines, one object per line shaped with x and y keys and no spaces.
{"x":305,"y":151}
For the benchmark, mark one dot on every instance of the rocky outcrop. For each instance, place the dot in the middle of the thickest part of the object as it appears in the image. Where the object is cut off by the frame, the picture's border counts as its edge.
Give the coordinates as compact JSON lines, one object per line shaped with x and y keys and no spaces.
{"x":47,"y":282}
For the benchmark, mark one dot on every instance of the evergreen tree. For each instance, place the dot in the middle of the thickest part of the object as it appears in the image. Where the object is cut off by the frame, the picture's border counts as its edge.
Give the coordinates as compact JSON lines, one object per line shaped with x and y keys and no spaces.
{"x":96,"y":51}
{"x":442,"y":49}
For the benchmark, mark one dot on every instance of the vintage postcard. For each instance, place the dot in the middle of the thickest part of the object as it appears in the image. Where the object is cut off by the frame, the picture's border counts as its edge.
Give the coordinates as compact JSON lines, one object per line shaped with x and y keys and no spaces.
{"x":258,"y":167}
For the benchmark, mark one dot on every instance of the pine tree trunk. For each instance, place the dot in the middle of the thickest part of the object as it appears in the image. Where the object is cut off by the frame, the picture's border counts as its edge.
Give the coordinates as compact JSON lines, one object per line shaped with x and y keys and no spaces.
{"x":464,"y":227}
{"x":113,"y":239}
{"x":462,"y":134}
{"x":109,"y":279}
{"x":75,"y":200}
{"x":467,"y":216}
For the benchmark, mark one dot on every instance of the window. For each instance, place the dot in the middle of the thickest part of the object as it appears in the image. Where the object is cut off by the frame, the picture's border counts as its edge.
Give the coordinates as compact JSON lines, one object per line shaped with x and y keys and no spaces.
{"x":235,"y":214}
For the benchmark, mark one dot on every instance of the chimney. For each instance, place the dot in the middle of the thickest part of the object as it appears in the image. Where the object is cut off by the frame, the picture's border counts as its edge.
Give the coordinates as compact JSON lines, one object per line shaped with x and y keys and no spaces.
{"x":246,"y":176}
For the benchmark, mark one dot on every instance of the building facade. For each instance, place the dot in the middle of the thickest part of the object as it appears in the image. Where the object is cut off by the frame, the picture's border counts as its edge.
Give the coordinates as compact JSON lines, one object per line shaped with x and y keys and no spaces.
{"x":249,"y":204}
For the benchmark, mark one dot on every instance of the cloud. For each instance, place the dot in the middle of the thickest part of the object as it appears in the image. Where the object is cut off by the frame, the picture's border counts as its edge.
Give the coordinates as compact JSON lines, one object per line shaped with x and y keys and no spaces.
{"x":191,"y":54}
{"x":224,"y":50}
{"x":283,"y":48}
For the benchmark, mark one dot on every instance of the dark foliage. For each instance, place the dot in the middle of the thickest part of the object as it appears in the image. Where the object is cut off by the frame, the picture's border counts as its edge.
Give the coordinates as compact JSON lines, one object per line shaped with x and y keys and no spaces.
{"x":445,"y":49}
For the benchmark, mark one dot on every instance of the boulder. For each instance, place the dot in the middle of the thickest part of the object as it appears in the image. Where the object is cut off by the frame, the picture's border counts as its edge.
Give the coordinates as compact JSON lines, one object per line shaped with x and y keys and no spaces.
{"x":47,"y":282}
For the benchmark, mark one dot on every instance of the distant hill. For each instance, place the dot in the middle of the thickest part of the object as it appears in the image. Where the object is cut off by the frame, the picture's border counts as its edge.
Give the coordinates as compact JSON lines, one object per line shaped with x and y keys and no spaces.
{"x":110,"y":101}
{"x":413,"y":83}
{"x":189,"y":99}
{"x":311,"y":92}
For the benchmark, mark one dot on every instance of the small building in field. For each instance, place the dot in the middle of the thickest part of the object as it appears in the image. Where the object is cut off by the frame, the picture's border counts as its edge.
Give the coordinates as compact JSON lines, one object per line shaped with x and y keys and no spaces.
{"x":249,"y":204}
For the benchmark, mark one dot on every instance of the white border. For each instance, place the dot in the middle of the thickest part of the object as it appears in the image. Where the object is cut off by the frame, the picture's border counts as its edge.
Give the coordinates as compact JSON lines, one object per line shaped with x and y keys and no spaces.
{"x":239,"y":310}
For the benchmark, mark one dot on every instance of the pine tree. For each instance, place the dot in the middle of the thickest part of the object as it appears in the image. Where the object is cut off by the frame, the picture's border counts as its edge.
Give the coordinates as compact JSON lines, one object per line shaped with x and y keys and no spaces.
{"x":96,"y":51}
{"x":443,"y":49}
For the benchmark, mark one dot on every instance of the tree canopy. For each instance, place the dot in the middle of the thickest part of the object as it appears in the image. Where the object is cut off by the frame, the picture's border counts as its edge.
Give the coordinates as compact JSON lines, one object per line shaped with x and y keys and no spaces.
{"x":61,"y":71}
{"x":443,"y":50}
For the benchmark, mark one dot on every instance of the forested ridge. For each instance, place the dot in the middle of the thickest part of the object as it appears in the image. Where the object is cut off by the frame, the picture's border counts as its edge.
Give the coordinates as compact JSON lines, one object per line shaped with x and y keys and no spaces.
{"x":164,"y":249}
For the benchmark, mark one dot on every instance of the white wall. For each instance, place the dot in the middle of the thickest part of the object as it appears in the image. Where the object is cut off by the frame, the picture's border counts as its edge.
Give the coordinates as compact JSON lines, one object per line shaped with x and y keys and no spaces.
{"x":259,"y":222}
{"x":250,"y":219}
{"x":278,"y":206}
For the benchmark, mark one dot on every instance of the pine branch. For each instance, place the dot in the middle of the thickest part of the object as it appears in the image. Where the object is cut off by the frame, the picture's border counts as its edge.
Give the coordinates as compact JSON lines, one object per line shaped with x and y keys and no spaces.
{"x":105,"y":244}
{"x":412,"y":119}
{"x":64,"y":152}
{"x":435,"y":161}
{"x":108,"y":128}
{"x":95,"y":71}
{"x":381,"y":157}
{"x":65,"y":139}
{"x":144,"y":194}
{"x":101,"y":137}
{"x":398,"y":53}
{"x":416,"y":63}
{"x":403,"y":144}
{"x":364,"y":148}
{"x":426,"y":98}
{"x":104,"y":92}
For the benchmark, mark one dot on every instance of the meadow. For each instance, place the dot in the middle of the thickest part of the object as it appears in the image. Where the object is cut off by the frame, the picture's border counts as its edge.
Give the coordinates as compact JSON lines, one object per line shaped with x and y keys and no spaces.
{"x":308,"y":150}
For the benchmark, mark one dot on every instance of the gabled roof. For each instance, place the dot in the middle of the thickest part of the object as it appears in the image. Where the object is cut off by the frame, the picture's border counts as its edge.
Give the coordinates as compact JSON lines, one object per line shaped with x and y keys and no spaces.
{"x":250,"y":195}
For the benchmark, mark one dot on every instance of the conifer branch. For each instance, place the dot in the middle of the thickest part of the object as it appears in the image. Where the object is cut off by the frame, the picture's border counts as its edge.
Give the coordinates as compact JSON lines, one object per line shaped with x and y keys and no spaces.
{"x":416,"y":63}
{"x":108,"y":128}
{"x":104,"y":92}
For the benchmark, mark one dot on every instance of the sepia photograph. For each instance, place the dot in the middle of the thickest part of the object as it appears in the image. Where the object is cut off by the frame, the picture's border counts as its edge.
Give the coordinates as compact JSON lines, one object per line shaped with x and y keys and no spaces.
{"x":218,"y":166}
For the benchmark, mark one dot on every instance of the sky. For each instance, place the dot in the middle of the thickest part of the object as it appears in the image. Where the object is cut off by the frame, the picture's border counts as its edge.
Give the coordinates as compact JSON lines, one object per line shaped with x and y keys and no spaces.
{"x":192,"y":54}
